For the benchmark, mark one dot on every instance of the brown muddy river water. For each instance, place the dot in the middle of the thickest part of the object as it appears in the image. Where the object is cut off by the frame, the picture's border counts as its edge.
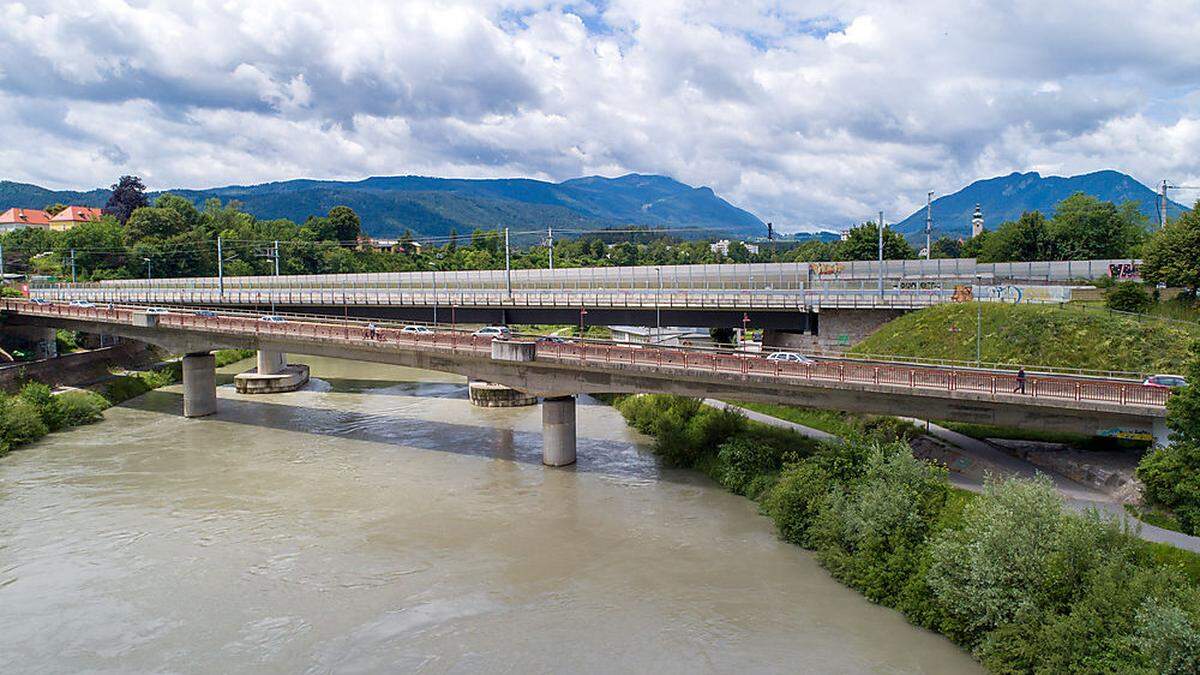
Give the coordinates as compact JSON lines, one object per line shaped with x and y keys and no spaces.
{"x":377,"y":522}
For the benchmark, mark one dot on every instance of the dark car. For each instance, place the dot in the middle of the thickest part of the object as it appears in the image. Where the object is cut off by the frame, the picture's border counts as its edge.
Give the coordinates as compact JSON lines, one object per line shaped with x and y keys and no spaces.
{"x":206,"y":313}
{"x":1165,"y":381}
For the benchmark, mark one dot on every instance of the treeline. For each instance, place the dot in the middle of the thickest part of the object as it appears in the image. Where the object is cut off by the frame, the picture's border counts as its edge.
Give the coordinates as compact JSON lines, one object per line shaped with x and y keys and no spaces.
{"x":1009,"y":574}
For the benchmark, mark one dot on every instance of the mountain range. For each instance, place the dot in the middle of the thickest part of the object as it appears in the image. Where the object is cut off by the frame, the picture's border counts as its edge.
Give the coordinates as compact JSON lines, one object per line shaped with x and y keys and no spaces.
{"x":1007,"y":197}
{"x":388,"y":205}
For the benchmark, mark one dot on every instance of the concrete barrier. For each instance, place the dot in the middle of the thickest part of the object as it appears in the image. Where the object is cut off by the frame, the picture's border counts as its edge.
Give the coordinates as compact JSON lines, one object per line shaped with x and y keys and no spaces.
{"x":511,"y":350}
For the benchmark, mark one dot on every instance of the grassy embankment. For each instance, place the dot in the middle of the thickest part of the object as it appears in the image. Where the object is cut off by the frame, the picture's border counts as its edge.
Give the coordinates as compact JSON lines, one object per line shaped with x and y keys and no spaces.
{"x":1011,"y":574}
{"x":35,"y":411}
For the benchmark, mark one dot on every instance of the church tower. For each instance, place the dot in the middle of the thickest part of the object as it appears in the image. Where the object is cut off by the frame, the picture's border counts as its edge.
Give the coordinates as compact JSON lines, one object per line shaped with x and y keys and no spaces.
{"x":977,"y":223}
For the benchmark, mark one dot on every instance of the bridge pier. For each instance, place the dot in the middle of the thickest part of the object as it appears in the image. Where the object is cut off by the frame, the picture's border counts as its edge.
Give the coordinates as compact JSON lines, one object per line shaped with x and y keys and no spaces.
{"x":1162,"y":435}
{"x":270,"y":362}
{"x":558,"y":430}
{"x":199,"y":384}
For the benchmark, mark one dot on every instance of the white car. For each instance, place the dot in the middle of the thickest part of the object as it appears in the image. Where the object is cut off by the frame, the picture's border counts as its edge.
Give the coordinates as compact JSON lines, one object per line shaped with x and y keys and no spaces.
{"x":789,"y":357}
{"x":271,"y":318}
{"x":82,"y":303}
{"x":417,"y":330}
{"x":158,"y":310}
{"x":494,"y":332}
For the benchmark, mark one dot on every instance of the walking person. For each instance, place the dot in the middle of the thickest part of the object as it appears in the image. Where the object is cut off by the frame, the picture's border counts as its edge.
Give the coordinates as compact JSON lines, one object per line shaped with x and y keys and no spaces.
{"x":371,"y":330}
{"x":1020,"y":381}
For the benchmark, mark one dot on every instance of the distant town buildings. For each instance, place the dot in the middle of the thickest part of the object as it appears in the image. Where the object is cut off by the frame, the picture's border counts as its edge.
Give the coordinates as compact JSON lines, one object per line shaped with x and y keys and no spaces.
{"x":977,"y":222}
{"x":722,"y":247}
{"x":17,"y":218}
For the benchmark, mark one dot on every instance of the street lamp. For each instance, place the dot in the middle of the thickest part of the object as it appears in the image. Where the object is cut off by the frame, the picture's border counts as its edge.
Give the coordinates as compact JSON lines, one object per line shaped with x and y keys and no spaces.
{"x":979,"y":320}
{"x":658,"y":308}
{"x":147,"y":261}
{"x":433,"y":267}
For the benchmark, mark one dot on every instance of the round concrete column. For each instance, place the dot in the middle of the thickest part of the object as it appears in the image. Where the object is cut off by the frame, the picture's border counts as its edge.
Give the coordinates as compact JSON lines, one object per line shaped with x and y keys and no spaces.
{"x":270,"y":363}
{"x":199,"y":384}
{"x":558,"y":431}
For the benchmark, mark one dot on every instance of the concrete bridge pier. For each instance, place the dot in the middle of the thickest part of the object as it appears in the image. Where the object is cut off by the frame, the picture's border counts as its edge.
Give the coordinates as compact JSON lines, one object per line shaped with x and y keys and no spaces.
{"x":1162,"y":435}
{"x":270,"y":362}
{"x":199,"y":384}
{"x":558,"y":430}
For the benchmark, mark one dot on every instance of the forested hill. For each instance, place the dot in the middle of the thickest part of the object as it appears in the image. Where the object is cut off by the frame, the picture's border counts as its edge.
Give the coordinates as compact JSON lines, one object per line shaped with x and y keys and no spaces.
{"x":1007,"y":197}
{"x":433,"y":206}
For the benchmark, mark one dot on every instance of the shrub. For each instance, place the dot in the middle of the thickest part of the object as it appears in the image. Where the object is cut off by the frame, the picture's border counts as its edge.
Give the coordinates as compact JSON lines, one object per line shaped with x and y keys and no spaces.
{"x":743,"y":459}
{"x":1127,"y":296}
{"x":871,"y":535}
{"x":1171,"y":478}
{"x":1169,"y":637}
{"x":21,"y":422}
{"x":794,"y":501}
{"x":81,"y":407}
{"x":43,"y":400}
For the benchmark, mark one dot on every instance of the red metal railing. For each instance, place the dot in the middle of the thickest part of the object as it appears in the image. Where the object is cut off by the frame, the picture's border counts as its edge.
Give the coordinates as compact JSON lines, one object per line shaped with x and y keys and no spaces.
{"x":666,"y":359}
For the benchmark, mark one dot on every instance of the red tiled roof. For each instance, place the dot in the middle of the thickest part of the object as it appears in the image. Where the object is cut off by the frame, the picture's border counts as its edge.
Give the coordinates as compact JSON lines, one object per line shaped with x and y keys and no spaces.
{"x":77,"y":214}
{"x":35,"y":217}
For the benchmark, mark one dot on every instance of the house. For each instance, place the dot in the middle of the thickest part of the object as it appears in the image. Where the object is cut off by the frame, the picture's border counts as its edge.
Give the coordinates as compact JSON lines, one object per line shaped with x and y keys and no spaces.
{"x":74,"y":215}
{"x":15,"y":218}
{"x":722,"y":247}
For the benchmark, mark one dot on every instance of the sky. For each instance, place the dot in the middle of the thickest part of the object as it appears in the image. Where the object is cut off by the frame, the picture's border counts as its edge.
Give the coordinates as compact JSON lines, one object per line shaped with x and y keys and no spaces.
{"x":810,"y":114}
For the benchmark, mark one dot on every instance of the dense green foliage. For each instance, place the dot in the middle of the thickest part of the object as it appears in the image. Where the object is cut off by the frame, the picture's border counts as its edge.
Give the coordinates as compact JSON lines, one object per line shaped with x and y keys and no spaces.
{"x":1171,"y":475}
{"x":1045,"y":335}
{"x":1128,"y":296}
{"x":1011,"y":574}
{"x":35,"y":412}
{"x":1172,"y":256}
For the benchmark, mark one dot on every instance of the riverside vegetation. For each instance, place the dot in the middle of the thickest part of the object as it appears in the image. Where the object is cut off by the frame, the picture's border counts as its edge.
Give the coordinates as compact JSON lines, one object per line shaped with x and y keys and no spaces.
{"x":1009,"y":574}
{"x":35,"y":411}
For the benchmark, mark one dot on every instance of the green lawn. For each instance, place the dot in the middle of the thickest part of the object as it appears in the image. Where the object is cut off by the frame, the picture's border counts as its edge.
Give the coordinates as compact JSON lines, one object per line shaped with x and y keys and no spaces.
{"x":829,"y":421}
{"x":1036,"y":335}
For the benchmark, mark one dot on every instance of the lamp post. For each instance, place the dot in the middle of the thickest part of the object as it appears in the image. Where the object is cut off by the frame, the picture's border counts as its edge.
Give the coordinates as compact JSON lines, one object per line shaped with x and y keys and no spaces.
{"x":979,"y":321}
{"x":434,"y":271}
{"x":658,"y":308}
{"x":148,"y":275}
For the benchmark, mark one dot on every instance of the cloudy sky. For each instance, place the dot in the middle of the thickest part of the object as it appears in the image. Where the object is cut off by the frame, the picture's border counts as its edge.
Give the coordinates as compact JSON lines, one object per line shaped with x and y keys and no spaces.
{"x":806,"y":113}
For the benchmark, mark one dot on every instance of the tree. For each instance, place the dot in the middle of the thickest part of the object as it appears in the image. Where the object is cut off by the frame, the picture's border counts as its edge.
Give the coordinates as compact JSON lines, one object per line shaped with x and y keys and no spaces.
{"x":945,"y":247}
{"x":347,"y":227}
{"x":1027,"y":238}
{"x":863,"y":244}
{"x":1085,"y":228}
{"x":153,"y":222}
{"x":1127,"y":296}
{"x":184,"y":207}
{"x":55,"y":208}
{"x":1171,"y":476}
{"x":128,"y":194}
{"x":1172,"y":255}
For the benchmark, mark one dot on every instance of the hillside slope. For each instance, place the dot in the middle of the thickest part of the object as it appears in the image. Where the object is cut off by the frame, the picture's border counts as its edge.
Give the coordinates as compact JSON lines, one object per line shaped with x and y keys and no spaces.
{"x":433,"y":206}
{"x":1007,"y":197}
{"x":1037,"y":335}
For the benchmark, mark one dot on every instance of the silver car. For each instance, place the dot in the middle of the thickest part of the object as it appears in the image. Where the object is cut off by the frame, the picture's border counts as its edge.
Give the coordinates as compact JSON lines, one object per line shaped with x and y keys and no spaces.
{"x":417,"y":330}
{"x":789,"y":357}
{"x":494,"y":332}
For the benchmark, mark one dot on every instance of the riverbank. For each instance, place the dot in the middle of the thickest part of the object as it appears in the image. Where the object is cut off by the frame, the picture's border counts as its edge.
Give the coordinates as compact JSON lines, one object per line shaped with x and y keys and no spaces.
{"x":1010,"y":574}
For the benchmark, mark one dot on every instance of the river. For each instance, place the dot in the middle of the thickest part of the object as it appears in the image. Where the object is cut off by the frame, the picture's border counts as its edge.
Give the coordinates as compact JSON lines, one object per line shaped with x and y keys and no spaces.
{"x":378,"y":522}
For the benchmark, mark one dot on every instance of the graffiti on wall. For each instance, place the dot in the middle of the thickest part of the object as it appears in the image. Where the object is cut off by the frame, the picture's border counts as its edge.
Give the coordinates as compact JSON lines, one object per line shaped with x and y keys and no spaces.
{"x":1127,"y":270}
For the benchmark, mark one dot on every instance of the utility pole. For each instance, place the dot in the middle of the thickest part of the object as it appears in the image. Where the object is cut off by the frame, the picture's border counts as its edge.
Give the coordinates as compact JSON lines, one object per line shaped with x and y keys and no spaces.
{"x":72,"y":265}
{"x":928,"y":225}
{"x":1162,"y":200}
{"x":658,"y":309}
{"x":276,"y":257}
{"x":979,"y":321}
{"x":1,"y":263}
{"x":507,"y":266}
{"x":220,"y":269}
{"x":881,"y":254}
{"x":550,"y":245}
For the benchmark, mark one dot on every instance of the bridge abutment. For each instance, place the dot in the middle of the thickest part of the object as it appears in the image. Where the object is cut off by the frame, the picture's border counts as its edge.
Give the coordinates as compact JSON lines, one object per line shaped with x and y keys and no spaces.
{"x":558,"y":430}
{"x":270,"y":362}
{"x":199,"y":384}
{"x":1162,"y":435}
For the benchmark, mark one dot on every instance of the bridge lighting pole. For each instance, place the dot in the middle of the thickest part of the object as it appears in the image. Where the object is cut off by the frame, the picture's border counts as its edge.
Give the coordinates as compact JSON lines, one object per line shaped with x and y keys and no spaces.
{"x":881,"y":254}
{"x":1,"y":263}
{"x":507,"y":266}
{"x":148,"y":275}
{"x":979,"y":321}
{"x":928,"y":225}
{"x":433,"y":266}
{"x":550,"y":245}
{"x":658,"y":308}
{"x":72,"y":265}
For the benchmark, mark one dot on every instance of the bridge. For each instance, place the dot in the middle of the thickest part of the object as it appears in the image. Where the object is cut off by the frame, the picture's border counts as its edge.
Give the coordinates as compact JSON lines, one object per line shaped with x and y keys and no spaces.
{"x":788,"y":300}
{"x":558,"y":371}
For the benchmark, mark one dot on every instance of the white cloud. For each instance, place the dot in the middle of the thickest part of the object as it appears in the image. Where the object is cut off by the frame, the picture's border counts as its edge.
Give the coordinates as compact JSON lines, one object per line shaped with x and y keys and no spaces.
{"x":807,"y":113}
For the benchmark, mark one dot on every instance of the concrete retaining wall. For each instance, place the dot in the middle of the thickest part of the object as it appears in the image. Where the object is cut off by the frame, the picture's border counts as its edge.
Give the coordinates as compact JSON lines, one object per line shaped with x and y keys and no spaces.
{"x":841,"y":329}
{"x":76,"y":368}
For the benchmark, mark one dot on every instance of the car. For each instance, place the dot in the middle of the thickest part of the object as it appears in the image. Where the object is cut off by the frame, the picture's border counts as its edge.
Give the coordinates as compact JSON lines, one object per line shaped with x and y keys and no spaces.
{"x":272,"y":318}
{"x":82,"y":303}
{"x":206,"y":313}
{"x":553,"y":340}
{"x":417,"y":330}
{"x":158,"y":310}
{"x":40,"y":301}
{"x":494,"y":332}
{"x":1165,"y":381}
{"x":789,"y":357}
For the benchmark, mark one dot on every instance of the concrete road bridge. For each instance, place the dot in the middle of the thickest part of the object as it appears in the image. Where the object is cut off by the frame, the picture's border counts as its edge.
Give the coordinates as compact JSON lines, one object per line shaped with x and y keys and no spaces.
{"x":558,"y":371}
{"x":789,"y":299}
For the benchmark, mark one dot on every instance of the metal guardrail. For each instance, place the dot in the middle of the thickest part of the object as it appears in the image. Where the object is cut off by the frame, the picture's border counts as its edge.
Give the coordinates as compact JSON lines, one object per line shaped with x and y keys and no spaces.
{"x":667,"y":360}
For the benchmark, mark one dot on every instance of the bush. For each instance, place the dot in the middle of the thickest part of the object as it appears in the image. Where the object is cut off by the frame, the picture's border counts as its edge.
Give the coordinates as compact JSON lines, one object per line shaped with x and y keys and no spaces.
{"x":81,"y":407}
{"x":794,"y":501}
{"x":1171,"y":478}
{"x":742,"y":459}
{"x":21,"y":422}
{"x":45,"y":402}
{"x":1127,"y":296}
